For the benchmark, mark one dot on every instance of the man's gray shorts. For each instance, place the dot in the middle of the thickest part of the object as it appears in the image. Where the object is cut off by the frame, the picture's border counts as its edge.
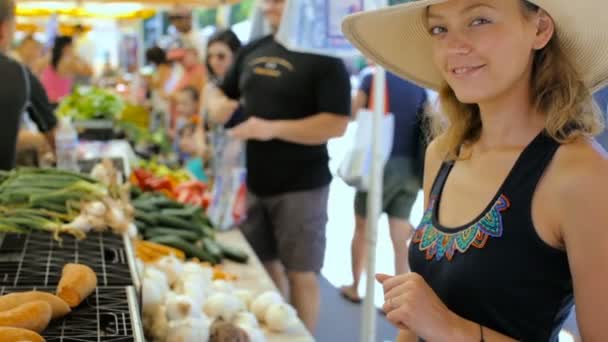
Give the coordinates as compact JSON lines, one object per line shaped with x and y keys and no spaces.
{"x":289,"y":228}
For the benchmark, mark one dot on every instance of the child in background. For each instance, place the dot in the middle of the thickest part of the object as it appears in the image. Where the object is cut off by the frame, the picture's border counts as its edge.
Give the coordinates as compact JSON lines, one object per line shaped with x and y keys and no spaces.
{"x":189,"y":141}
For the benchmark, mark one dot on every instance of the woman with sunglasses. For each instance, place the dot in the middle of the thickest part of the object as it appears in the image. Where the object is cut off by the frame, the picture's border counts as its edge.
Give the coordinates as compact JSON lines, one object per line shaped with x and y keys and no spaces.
{"x":221,"y":49}
{"x":515,"y":186}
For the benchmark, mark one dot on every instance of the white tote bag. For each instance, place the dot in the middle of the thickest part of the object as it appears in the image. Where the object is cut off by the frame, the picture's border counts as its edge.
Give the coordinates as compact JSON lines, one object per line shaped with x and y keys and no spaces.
{"x":356,"y":167}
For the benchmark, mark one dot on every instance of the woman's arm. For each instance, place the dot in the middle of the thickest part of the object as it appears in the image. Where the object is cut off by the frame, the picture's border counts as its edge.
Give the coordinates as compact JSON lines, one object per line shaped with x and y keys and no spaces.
{"x":584,"y":224}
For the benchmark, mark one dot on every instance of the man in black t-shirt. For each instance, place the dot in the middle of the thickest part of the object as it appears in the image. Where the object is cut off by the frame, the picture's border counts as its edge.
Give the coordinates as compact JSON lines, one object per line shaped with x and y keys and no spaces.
{"x":20,"y":91}
{"x":293,"y":103}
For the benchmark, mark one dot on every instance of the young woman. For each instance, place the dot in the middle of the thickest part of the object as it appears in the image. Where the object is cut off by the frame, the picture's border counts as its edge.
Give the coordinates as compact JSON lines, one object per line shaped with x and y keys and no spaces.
{"x":221,"y":50}
{"x":515,"y":186}
{"x":58,"y":77}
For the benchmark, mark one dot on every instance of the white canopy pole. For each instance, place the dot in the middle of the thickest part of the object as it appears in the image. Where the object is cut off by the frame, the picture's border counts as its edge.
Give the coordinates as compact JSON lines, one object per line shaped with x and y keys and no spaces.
{"x":374,"y":207}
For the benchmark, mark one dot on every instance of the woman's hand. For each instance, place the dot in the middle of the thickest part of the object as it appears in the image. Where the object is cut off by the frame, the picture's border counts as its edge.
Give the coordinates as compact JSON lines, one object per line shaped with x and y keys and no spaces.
{"x":411,"y":304}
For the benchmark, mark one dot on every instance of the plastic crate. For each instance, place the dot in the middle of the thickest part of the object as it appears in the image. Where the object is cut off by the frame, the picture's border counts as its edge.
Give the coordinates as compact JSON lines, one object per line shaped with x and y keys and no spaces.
{"x":110,"y":314}
{"x":36,"y":259}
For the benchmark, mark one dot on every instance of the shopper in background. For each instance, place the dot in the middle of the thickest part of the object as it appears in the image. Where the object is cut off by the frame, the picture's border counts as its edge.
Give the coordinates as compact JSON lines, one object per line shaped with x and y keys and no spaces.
{"x":58,"y":76}
{"x":293,"y":104}
{"x":182,"y":19}
{"x":188,"y":119}
{"x":221,"y":51}
{"x":86,"y":51}
{"x":514,"y":231}
{"x":194,"y":76}
{"x":20,"y":91}
{"x":161,"y":84}
{"x":29,"y":53}
{"x":401,"y":184}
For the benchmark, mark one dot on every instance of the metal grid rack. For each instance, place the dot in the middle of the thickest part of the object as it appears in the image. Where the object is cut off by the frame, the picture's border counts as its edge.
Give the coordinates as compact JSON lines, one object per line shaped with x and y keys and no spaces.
{"x":35,"y":259}
{"x":110,"y":314}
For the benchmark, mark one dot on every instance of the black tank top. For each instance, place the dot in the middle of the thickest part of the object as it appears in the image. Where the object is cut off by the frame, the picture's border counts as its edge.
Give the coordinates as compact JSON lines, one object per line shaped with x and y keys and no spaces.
{"x":496,"y":270}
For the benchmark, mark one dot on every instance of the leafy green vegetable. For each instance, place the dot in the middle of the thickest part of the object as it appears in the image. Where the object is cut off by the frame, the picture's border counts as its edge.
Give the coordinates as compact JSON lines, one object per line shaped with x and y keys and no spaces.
{"x":88,"y":103}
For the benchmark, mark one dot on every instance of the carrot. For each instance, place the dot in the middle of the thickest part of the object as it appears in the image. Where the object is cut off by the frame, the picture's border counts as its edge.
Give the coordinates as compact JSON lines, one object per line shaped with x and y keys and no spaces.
{"x":18,"y":334}
{"x":33,"y":316}
{"x":13,"y":300}
{"x":76,"y":284}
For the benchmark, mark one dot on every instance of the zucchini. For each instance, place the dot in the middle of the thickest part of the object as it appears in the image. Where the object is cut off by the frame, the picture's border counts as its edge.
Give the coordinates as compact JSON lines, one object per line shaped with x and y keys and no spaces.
{"x":207,"y":231}
{"x":148,"y":219}
{"x":175,"y":222}
{"x":170,"y":204}
{"x":145,"y":207}
{"x":186,"y":212}
{"x":191,"y":250}
{"x":187,"y":235}
{"x":233,"y":253}
{"x":140,"y":224}
{"x":135,"y":191}
{"x":213,"y":248}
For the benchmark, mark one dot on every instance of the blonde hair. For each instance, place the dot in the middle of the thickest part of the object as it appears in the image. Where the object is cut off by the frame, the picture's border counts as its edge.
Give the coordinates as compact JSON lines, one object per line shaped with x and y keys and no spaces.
{"x":557,"y":90}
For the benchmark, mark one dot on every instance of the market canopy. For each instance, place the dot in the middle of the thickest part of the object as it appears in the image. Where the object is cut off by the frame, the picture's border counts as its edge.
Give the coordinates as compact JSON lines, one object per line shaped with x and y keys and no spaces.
{"x":154,"y":3}
{"x":95,"y":10}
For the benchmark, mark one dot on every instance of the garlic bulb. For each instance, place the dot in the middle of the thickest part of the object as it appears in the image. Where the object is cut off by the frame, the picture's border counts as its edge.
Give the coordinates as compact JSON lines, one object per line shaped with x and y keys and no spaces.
{"x":180,"y":307}
{"x":223,"y":286}
{"x":262,"y":302}
{"x":245,"y":296}
{"x":246,"y":318}
{"x":189,"y":330}
{"x":158,"y":324}
{"x":279,"y":317}
{"x":153,"y":294}
{"x":172,"y":267}
{"x":157,"y":275}
{"x":197,"y":269}
{"x":223,"y":306}
{"x":193,"y":289}
{"x":95,"y":208}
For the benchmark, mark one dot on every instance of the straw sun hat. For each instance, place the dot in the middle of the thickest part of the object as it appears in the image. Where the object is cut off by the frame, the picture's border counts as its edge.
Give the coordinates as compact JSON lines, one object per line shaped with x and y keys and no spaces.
{"x":397,"y":38}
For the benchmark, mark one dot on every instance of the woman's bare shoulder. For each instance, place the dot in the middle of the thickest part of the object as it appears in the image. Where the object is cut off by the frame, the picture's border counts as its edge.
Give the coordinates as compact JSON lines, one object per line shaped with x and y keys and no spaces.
{"x":580,"y":166}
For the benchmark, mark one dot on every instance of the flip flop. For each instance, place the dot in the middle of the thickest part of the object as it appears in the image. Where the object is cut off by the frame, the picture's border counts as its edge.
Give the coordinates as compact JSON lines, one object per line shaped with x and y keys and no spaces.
{"x":345,"y":292}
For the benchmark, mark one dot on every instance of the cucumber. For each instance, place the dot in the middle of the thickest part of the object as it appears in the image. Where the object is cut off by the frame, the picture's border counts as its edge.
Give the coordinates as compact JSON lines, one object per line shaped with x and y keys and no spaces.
{"x":135,"y":191}
{"x":233,"y":253}
{"x":207,"y":231}
{"x":140,"y":224}
{"x":191,"y":250}
{"x":175,"y":222}
{"x":145,"y":207}
{"x":187,"y":235}
{"x":148,"y":219}
{"x":186,"y":212}
{"x":213,"y":248}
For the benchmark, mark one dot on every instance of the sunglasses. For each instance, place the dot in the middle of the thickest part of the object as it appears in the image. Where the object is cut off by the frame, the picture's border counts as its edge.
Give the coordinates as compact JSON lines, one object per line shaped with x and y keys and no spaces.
{"x":221,"y":56}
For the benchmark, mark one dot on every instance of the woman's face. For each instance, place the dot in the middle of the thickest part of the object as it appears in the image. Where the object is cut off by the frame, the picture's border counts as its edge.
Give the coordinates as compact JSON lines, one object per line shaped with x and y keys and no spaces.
{"x":220,"y":58}
{"x":484,"y":48}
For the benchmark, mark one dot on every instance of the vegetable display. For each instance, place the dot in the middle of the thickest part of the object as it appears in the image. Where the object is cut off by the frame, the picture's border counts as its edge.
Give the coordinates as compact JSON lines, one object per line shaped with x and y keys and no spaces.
{"x":174,"y":184}
{"x":91,"y":103}
{"x":62,"y":202}
{"x":186,"y":228}
{"x":182,"y":301}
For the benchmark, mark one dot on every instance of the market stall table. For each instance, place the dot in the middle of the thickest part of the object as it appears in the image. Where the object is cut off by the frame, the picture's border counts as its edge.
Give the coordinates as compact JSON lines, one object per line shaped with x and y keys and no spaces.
{"x":253,"y":276}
